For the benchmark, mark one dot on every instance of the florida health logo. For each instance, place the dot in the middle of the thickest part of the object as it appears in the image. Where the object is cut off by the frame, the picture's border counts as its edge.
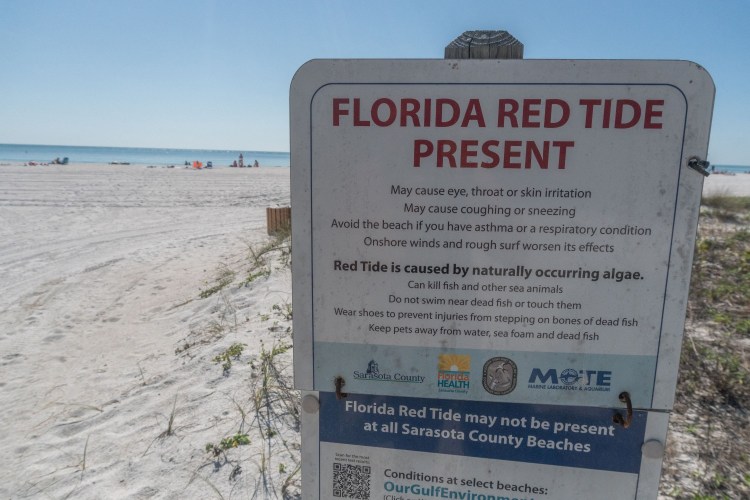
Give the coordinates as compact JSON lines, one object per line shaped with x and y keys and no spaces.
{"x":454,"y":373}
{"x":373,"y":373}
{"x":571,"y":380}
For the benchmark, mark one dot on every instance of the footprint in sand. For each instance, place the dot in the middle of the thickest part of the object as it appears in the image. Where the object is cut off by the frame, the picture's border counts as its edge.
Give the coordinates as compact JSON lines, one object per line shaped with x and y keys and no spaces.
{"x":10,"y":359}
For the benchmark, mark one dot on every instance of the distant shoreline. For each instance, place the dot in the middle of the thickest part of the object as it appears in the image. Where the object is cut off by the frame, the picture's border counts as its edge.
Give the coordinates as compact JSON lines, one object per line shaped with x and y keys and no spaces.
{"x":714,"y":184}
{"x":32,"y":164}
{"x":25,"y":153}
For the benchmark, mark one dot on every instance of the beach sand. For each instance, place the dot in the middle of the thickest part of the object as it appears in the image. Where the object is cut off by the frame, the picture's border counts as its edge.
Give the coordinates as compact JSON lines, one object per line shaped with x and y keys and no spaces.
{"x":731,"y":185}
{"x":104,"y":338}
{"x":101,"y":268}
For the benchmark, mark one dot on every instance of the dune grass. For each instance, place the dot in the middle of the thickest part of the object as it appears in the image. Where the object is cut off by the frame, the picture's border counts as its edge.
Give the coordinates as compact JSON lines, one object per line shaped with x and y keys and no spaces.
{"x":713,"y":392}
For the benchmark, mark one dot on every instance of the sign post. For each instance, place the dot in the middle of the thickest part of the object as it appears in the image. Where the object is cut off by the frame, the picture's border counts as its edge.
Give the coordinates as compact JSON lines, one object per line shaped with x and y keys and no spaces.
{"x":491,"y":266}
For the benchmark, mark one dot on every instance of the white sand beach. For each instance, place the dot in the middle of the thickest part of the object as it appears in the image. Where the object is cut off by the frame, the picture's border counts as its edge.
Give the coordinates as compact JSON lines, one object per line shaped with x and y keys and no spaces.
{"x":723,"y":184}
{"x":101,"y":268}
{"x":108,"y":384}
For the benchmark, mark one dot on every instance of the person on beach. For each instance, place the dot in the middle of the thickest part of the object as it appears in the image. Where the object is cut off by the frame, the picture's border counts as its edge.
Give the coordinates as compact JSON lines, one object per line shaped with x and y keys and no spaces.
{"x":256,"y":164}
{"x":242,"y":161}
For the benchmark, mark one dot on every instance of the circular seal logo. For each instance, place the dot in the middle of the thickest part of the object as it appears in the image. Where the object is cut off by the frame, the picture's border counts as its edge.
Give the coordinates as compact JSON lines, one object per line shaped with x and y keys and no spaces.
{"x":499,"y":376}
{"x":569,"y":376}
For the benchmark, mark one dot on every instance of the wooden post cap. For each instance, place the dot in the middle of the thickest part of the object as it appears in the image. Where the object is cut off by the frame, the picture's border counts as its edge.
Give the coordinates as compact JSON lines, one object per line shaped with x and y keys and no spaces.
{"x":484,"y":44}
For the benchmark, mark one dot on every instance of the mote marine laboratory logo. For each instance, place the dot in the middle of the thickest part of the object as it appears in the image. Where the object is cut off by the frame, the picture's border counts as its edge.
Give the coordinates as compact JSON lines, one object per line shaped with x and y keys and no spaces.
{"x":454,"y":373}
{"x":375,"y":374}
{"x":570,"y":379}
{"x":499,"y":376}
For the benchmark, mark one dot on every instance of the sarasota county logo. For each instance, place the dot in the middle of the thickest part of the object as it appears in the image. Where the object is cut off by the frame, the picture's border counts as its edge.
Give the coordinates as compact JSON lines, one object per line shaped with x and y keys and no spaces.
{"x":375,"y":373}
{"x":372,"y":368}
{"x":499,"y":376}
{"x":454,"y":372}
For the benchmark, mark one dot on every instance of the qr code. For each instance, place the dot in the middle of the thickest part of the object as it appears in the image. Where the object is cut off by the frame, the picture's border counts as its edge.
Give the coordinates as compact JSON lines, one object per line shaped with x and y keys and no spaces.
{"x":351,"y":481}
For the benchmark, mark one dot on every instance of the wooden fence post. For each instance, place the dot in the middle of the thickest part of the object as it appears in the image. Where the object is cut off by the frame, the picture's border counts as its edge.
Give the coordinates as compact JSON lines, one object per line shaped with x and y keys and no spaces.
{"x":278,"y":219}
{"x":484,"y":45}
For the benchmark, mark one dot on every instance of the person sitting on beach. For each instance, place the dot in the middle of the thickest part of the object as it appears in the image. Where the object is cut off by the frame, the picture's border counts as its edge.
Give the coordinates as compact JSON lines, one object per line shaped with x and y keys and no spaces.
{"x":256,"y":164}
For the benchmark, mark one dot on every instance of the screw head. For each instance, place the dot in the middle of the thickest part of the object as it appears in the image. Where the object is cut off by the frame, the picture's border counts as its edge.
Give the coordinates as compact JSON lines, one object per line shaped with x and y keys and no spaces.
{"x":653,"y":449}
{"x":310,"y":404}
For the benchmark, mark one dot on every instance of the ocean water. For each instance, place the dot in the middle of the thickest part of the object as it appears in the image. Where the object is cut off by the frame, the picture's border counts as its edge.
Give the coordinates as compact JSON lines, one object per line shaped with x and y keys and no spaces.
{"x":22,"y":153}
{"x":731,"y":169}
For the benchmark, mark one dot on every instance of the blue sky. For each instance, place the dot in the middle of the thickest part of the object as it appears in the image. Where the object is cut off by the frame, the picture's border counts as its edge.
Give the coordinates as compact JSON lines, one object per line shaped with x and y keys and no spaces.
{"x":215,"y":74}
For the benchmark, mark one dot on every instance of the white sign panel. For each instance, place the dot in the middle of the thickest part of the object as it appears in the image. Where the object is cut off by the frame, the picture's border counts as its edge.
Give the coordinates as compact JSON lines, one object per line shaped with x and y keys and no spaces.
{"x":515,"y":231}
{"x":487,"y":255}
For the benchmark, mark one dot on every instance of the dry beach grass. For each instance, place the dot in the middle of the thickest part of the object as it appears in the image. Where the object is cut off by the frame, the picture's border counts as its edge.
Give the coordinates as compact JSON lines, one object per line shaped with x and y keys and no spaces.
{"x":709,"y":442}
{"x":145,"y":335}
